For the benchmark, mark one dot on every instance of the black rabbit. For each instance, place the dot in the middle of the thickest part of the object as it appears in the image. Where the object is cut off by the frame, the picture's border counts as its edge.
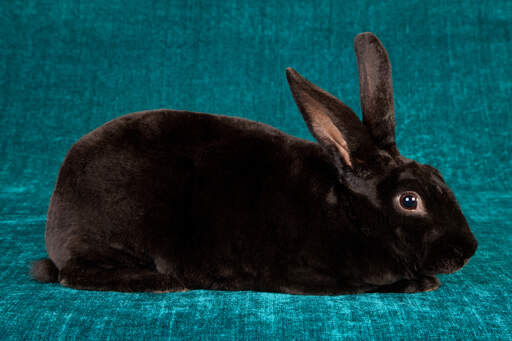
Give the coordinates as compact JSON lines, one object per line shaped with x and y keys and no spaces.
{"x":171,"y":200}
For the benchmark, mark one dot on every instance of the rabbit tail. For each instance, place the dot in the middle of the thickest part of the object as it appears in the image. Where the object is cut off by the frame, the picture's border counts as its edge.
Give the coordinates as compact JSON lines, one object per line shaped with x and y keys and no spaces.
{"x":44,"y":271}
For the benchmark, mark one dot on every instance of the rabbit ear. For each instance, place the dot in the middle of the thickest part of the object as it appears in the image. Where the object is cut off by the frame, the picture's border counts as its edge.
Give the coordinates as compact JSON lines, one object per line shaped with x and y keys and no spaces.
{"x":376,"y":90}
{"x":330,"y":121}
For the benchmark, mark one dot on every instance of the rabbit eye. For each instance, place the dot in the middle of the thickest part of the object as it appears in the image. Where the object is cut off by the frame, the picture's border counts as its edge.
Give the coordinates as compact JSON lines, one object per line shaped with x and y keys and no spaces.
{"x":409,"y":201}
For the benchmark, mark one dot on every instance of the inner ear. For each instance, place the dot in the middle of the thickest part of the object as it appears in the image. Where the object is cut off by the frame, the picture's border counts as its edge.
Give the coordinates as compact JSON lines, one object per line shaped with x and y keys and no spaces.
{"x":329,"y":120}
{"x":324,"y":130}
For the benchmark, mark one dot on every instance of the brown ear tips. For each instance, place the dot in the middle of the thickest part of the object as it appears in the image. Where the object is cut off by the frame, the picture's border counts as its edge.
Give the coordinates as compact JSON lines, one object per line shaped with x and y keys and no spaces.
{"x":365,"y":38}
{"x":366,"y":44}
{"x":293,"y":76}
{"x":299,"y":85}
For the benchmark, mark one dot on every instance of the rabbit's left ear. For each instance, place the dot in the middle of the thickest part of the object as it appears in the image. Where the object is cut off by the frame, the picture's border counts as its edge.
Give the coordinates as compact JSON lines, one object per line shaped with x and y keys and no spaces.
{"x":332,"y":123}
{"x":376,"y":89}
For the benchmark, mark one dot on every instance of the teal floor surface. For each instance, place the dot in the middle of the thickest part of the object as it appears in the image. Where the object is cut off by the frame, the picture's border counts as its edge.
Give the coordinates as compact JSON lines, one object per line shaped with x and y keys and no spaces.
{"x":66,"y":67}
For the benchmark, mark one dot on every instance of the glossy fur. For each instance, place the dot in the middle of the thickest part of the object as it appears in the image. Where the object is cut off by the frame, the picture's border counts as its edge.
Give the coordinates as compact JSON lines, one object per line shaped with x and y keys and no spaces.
{"x":170,"y":200}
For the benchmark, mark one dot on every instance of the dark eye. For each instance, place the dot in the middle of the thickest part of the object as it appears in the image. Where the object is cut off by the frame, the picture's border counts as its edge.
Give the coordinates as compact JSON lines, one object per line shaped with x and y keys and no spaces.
{"x":409,"y":201}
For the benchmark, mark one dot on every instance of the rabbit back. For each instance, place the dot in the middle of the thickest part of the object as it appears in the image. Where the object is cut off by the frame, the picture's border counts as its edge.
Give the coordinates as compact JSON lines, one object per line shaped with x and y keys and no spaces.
{"x":189,"y":194}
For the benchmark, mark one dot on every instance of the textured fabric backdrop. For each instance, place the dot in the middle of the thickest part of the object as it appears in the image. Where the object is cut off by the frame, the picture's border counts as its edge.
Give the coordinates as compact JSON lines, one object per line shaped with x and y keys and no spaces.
{"x":66,"y":67}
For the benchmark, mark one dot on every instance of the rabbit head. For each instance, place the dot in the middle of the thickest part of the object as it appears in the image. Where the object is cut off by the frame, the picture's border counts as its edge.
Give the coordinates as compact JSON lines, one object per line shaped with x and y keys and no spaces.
{"x":404,"y":203}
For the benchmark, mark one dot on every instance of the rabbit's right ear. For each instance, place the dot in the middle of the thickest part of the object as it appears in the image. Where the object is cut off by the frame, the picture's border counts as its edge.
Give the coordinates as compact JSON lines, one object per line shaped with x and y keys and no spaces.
{"x":329,"y":120}
{"x":376,"y":88}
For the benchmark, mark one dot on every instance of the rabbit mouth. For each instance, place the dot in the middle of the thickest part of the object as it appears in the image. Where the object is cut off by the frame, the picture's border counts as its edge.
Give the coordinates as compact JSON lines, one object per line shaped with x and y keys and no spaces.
{"x":447,"y":266}
{"x":448,"y":256}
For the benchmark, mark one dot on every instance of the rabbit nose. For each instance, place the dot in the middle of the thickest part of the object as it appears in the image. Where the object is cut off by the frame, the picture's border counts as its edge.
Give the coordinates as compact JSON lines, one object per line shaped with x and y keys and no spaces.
{"x":473,"y":247}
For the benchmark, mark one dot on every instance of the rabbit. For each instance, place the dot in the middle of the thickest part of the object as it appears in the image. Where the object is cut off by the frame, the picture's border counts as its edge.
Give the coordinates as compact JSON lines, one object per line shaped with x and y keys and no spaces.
{"x":168,"y":201}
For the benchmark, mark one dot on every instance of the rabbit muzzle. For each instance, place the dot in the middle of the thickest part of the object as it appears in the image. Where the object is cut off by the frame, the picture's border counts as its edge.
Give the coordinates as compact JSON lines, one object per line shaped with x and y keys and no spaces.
{"x":449,"y":255}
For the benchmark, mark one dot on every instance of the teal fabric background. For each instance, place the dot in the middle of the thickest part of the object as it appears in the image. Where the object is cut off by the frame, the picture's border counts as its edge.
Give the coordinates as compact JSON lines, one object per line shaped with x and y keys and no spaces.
{"x":67,"y":67}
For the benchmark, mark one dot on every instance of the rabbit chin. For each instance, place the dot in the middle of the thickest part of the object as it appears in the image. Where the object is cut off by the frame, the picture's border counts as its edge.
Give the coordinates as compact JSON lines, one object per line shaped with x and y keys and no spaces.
{"x":445,"y":266}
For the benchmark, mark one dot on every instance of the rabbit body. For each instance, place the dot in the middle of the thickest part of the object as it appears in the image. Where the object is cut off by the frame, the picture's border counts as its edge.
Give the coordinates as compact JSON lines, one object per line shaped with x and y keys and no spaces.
{"x":210,"y":201}
{"x":171,"y":200}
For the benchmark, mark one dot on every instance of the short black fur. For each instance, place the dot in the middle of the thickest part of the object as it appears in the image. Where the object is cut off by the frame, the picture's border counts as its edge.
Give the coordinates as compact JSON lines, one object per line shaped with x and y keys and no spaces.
{"x":173,"y":200}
